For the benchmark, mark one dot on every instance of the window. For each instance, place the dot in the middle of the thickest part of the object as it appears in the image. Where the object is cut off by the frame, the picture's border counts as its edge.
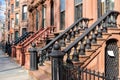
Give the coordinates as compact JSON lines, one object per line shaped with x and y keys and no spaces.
{"x":43,"y":16}
{"x":17,"y":3}
{"x":62,"y":14}
{"x":110,"y":4}
{"x":52,"y":13}
{"x":8,"y":2}
{"x":8,"y":13}
{"x":8,"y":25}
{"x":78,"y":9}
{"x":16,"y":19}
{"x":106,"y":5}
{"x":24,"y":12}
{"x":16,"y":35}
{"x":24,"y":30}
{"x":12,"y":36}
{"x":12,"y":21}
{"x":12,"y":8}
{"x":37,"y":20}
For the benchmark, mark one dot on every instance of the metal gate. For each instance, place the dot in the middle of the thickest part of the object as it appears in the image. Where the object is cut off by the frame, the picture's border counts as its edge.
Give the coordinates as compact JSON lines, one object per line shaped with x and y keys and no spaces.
{"x":111,"y":59}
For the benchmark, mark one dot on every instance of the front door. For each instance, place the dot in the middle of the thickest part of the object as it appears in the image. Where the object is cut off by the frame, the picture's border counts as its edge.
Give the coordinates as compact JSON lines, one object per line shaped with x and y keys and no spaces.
{"x":111,"y":59}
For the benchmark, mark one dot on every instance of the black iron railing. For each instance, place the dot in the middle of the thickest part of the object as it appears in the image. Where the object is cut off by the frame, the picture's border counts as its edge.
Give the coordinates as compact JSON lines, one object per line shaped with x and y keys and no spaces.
{"x":77,"y":73}
{"x":69,"y":71}
{"x":63,"y":38}
{"x":91,"y":34}
{"x":22,"y":38}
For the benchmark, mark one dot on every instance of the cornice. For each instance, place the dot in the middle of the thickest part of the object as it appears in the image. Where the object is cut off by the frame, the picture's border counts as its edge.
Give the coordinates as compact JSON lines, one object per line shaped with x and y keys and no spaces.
{"x":33,"y":6}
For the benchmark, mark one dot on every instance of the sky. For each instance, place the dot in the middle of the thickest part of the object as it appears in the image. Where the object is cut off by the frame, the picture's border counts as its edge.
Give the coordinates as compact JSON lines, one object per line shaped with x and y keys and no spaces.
{"x":2,"y":9}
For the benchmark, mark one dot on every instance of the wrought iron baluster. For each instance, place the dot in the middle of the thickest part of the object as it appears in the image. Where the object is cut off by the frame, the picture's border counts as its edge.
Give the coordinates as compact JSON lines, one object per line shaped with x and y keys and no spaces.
{"x":88,"y":43}
{"x":82,"y":48}
{"x":81,"y":25}
{"x":68,"y":37}
{"x":94,"y":37}
{"x":75,"y":56}
{"x":62,"y":41}
{"x":85,"y":24}
{"x":41,"y":59}
{"x":104,"y":26}
{"x":68,"y":60}
{"x":77,"y":29}
{"x":99,"y":32}
{"x":72,"y":33}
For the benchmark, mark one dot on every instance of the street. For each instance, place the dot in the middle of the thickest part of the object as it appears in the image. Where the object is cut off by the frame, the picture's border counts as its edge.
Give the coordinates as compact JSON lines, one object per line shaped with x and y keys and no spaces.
{"x":10,"y":70}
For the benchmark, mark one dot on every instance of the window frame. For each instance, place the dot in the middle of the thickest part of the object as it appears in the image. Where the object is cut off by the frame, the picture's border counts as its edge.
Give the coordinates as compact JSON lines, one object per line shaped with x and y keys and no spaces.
{"x":12,"y":23}
{"x":12,"y":8}
{"x":16,"y":18}
{"x":62,"y":14}
{"x":16,"y":3}
{"x":37,"y":20}
{"x":24,"y":12}
{"x":43,"y":16}
{"x":16,"y":36}
{"x":78,"y":9}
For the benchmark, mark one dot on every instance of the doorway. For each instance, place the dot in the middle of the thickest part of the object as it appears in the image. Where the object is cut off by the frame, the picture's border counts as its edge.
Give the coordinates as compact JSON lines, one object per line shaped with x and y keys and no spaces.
{"x":111,"y":59}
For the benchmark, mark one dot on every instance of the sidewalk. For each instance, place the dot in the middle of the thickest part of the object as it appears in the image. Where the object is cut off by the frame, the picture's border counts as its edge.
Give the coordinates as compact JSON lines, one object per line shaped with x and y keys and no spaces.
{"x":9,"y":70}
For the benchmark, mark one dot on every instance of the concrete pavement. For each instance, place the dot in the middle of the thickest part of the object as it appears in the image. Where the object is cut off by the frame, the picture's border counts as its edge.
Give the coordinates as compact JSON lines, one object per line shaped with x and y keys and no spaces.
{"x":9,"y":70}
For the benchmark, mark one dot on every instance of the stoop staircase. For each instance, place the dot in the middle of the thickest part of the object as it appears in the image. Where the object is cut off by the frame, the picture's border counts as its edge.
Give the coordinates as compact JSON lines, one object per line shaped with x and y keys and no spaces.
{"x":19,"y":40}
{"x":79,"y":43}
{"x":65,"y":38}
{"x":20,"y":51}
{"x":22,"y":38}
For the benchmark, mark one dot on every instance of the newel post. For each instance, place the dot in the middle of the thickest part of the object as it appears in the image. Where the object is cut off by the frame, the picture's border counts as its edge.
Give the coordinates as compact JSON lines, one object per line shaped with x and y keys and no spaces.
{"x":33,"y":57}
{"x":57,"y":62}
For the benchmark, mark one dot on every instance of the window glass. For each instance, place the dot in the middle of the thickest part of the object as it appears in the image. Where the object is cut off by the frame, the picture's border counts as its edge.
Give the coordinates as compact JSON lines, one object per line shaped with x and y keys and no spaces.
{"x":17,"y":19}
{"x":62,"y":5}
{"x":78,"y":9}
{"x":12,"y":8}
{"x":24,"y":9}
{"x":12,"y":23}
{"x":37,"y":20}
{"x":24,"y":13}
{"x":78,"y":2}
{"x":62,"y":14}
{"x":43,"y":16}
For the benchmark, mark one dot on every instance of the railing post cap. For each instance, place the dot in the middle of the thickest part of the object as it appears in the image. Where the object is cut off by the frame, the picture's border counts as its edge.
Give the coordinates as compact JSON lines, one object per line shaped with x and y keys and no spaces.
{"x":33,"y":45}
{"x":56,"y":53}
{"x":33,"y":48}
{"x":56,"y":47}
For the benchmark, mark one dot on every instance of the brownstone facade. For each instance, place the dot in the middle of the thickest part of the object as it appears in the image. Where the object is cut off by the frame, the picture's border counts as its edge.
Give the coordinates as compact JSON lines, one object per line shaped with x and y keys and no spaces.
{"x":15,"y":24}
{"x":61,"y":14}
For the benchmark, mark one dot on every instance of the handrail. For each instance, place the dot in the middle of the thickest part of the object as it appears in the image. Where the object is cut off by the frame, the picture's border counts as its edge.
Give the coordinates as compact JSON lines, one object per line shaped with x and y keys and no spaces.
{"x":88,"y":30}
{"x":38,"y":35}
{"x":27,"y":34}
{"x":31,"y":36}
{"x":59,"y":36}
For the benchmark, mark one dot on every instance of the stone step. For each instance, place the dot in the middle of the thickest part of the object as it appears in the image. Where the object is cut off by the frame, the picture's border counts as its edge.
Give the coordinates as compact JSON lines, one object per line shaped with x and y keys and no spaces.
{"x":36,"y":75}
{"x":113,"y":30}
{"x":45,"y":69}
{"x":48,"y":64}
